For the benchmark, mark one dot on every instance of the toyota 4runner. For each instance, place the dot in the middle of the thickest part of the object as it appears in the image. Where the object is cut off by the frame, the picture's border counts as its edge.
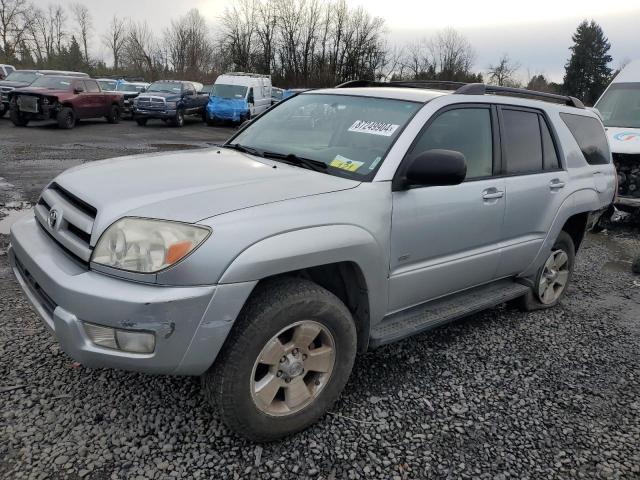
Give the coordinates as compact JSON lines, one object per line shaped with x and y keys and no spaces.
{"x":338,"y":221}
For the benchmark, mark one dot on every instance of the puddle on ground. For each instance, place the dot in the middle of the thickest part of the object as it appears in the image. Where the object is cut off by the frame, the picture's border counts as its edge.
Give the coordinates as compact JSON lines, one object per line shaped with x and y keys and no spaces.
{"x":623,"y":251}
{"x":8,"y":217}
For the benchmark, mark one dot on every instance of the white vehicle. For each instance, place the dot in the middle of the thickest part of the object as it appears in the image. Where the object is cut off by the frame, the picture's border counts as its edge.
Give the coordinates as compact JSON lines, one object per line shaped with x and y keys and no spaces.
{"x":619,"y":107}
{"x":5,"y":70}
{"x":239,"y":96}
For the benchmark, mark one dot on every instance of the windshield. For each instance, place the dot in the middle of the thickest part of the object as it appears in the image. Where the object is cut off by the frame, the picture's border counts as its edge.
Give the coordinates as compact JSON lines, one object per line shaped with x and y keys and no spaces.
{"x":620,"y":105}
{"x":129,"y":87}
{"x":166,"y":87}
{"x":228,"y":91}
{"x":109,"y":85}
{"x":52,"y":83}
{"x":349,"y":134}
{"x":24,"y":77}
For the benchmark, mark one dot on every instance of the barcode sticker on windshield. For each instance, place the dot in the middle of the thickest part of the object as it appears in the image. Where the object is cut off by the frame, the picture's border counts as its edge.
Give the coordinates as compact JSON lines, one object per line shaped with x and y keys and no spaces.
{"x":345,"y":163}
{"x":373,"y":128}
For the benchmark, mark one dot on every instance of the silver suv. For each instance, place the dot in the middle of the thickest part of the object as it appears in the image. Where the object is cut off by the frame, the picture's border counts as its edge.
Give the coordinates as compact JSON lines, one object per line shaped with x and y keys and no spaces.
{"x":338,"y":221}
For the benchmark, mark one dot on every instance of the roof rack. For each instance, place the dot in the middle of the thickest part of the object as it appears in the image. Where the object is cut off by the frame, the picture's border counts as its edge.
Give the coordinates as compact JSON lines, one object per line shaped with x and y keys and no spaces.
{"x":461,"y":88}
{"x":482,"y":89}
{"x":435,"y":84}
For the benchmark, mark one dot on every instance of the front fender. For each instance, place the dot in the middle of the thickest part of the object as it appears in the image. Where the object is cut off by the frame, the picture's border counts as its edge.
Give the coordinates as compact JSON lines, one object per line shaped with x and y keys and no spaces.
{"x":310,"y":247}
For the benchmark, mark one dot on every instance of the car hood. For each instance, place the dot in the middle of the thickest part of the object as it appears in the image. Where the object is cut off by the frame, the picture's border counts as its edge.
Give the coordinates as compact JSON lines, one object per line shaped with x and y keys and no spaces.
{"x":624,"y":140}
{"x":41,"y":91}
{"x":165,"y":95}
{"x":7,"y":83}
{"x":189,"y":186}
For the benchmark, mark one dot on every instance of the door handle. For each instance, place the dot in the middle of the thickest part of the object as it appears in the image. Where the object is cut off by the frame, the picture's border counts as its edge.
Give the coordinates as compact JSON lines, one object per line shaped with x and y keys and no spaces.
{"x":556,"y":183}
{"x":492,"y":194}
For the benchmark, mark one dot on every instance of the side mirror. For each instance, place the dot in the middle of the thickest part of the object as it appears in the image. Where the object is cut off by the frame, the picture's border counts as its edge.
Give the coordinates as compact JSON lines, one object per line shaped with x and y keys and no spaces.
{"x":78,"y":90}
{"x":436,"y":167}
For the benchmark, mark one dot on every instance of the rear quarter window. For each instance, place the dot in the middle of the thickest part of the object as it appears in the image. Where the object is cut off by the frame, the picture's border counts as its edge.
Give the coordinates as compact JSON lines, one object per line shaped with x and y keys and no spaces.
{"x":590,"y":136}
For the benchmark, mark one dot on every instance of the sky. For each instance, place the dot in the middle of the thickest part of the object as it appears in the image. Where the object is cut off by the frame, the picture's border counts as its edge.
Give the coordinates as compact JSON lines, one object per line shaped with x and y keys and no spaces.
{"x":537,"y":34}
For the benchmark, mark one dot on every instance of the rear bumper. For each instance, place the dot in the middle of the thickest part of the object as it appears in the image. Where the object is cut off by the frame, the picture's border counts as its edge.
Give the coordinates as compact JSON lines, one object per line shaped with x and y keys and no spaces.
{"x":190,"y":324}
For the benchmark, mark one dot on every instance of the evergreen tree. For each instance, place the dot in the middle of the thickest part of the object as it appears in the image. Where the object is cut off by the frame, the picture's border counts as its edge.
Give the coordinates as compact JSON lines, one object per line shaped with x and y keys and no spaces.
{"x":74,"y":60}
{"x":587,"y":72}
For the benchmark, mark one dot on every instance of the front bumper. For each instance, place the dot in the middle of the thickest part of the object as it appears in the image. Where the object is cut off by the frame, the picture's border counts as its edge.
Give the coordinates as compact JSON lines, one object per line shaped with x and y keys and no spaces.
{"x":159,"y":114}
{"x":190,"y":323}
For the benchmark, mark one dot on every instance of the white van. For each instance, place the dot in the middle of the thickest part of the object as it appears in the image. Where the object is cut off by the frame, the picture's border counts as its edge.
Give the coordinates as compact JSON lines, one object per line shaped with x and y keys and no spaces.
{"x":239,"y":96}
{"x":619,"y":107}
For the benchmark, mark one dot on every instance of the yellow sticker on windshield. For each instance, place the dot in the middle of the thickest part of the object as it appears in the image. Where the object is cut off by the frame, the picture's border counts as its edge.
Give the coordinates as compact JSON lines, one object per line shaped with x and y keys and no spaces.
{"x":344,"y":163}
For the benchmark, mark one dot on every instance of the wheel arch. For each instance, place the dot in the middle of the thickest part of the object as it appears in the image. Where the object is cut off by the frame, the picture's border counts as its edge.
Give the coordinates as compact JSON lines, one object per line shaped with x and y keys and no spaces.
{"x":344,"y":259}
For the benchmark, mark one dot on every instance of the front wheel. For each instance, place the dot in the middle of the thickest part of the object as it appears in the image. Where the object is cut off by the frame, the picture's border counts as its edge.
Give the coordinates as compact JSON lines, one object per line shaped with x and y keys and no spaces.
{"x":66,"y":118}
{"x":141,"y":121}
{"x":553,"y":277}
{"x":3,"y":109}
{"x":285,"y":362}
{"x":179,"y":120}
{"x":17,"y":118}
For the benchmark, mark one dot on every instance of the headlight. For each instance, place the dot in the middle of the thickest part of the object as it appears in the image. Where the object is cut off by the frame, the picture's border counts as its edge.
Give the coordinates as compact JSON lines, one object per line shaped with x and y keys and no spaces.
{"x":147,"y":246}
{"x":172,"y":105}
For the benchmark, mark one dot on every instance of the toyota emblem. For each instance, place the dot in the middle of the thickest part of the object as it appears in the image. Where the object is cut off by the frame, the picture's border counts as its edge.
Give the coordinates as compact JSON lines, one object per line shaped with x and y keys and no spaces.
{"x":53,"y":218}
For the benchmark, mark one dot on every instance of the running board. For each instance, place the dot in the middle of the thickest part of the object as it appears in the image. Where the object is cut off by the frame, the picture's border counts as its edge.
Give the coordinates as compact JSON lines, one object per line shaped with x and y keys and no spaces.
{"x":437,"y":312}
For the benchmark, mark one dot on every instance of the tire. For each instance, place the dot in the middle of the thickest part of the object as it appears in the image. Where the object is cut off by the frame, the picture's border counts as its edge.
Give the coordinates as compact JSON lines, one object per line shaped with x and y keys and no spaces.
{"x":17,"y":119}
{"x":66,"y":118}
{"x":114,"y":114}
{"x":211,"y":122}
{"x":534,"y":300}
{"x":141,"y":121}
{"x":3,"y":110}
{"x":178,"y":121}
{"x":285,"y":307}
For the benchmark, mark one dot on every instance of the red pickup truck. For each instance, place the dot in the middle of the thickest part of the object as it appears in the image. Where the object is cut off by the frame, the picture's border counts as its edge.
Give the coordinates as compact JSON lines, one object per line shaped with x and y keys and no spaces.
{"x":64,"y":99}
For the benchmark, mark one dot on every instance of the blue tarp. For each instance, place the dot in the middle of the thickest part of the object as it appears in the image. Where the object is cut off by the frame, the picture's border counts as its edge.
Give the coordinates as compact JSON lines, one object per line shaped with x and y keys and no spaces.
{"x":227,"y":108}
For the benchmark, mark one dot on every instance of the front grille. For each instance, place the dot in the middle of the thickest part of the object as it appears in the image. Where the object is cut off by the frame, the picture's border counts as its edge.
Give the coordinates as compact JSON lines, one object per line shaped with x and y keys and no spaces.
{"x":45,"y":300}
{"x":151,"y":103}
{"x":625,"y":158}
{"x":73,"y":221}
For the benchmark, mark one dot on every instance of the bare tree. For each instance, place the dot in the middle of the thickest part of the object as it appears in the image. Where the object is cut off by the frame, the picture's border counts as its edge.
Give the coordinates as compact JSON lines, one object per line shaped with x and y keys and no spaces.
{"x":503,"y":72}
{"x":453,"y":54}
{"x":15,"y":22}
{"x":239,"y":29}
{"x":416,"y":60}
{"x":187,"y":44}
{"x":115,"y":39}
{"x":84,"y":24}
{"x":141,"y":50}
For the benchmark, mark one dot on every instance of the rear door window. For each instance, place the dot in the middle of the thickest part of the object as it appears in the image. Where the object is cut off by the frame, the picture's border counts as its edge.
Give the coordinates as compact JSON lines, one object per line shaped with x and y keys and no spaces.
{"x":521,"y":141}
{"x":590,"y":136}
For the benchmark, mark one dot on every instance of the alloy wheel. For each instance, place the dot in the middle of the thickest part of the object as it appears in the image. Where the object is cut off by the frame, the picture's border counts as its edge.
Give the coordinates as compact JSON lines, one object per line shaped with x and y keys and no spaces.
{"x":554,"y":278}
{"x":293,"y":368}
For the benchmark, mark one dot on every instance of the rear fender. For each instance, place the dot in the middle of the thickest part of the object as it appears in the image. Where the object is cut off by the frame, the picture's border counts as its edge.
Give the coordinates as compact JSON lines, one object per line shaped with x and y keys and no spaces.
{"x":581,"y":201}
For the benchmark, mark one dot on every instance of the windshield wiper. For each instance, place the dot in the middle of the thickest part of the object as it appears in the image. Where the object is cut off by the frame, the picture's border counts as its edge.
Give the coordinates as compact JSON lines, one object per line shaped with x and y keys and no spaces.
{"x":244,"y":149}
{"x":294,"y":159}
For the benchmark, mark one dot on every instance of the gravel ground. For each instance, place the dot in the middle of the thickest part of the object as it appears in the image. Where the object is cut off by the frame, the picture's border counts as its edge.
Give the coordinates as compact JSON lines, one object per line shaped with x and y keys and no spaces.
{"x":502,"y":394}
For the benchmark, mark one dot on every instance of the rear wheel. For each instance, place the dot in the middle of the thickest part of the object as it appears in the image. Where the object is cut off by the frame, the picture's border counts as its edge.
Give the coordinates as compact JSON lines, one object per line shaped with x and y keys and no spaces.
{"x":114,"y":114}
{"x":141,"y":121}
{"x":285,"y":362}
{"x":3,"y":109}
{"x":553,"y":277}
{"x":66,"y":118}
